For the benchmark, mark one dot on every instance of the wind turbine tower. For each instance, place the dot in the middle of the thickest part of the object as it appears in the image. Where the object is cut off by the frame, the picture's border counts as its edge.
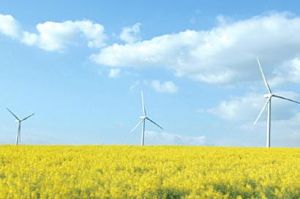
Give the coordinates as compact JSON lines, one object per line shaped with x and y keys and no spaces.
{"x":268,"y":105}
{"x":143,"y":120}
{"x":18,"y":139}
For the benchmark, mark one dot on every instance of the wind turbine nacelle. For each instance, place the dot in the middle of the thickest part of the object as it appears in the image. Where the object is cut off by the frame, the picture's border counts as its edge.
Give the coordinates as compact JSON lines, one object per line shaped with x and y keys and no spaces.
{"x":269,"y":95}
{"x":143,"y":117}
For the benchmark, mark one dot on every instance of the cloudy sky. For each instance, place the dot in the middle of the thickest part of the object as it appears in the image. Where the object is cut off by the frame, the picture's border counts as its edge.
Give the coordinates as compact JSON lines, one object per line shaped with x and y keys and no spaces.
{"x":81,"y":66}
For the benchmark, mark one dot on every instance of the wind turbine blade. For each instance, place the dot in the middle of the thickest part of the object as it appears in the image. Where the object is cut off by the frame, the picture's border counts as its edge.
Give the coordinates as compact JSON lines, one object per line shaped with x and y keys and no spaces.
{"x":15,"y":116}
{"x":263,"y":76}
{"x":143,"y":103}
{"x":154,"y":123}
{"x":136,"y":125}
{"x":261,"y":111}
{"x":27,"y":117}
{"x":278,"y":96}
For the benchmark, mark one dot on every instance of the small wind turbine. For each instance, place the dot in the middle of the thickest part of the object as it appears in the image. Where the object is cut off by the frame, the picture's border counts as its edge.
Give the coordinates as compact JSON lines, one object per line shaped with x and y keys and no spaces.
{"x":268,"y":103}
{"x":18,"y":140}
{"x":144,"y":117}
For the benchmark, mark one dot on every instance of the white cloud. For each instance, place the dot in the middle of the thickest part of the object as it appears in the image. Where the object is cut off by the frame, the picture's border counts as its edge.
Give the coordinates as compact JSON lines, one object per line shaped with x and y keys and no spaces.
{"x":55,"y":36}
{"x":224,"y":54}
{"x":289,"y":71}
{"x":131,"y":34}
{"x":163,"y":138}
{"x":246,"y":108}
{"x":29,"y":38}
{"x":239,"y":133}
{"x":239,"y":113}
{"x":9,"y":26}
{"x":287,"y":132}
{"x":164,"y":87}
{"x":114,"y":73}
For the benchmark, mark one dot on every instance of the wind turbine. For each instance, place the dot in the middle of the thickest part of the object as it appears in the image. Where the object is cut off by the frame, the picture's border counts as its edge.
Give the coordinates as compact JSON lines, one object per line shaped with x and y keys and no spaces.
{"x":268,"y":104}
{"x":18,"y":140}
{"x":144,"y":117}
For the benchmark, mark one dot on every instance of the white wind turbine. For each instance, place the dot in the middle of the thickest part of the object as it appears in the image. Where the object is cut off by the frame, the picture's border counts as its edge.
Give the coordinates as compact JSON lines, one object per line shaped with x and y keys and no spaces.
{"x":268,"y":103}
{"x":18,"y":140}
{"x":144,"y":117}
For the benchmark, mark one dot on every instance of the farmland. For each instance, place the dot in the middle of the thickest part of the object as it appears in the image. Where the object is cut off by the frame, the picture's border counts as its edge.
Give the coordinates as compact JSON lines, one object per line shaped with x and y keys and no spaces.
{"x":148,"y":172}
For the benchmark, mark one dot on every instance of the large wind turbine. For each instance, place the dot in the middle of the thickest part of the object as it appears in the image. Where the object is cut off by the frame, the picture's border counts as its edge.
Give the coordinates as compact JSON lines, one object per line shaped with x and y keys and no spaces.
{"x":268,"y":104}
{"x":144,"y":117}
{"x":18,"y":140}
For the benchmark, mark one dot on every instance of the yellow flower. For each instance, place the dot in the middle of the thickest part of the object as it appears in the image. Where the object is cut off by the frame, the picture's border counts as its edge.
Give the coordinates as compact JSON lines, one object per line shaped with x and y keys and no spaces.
{"x":148,"y":172}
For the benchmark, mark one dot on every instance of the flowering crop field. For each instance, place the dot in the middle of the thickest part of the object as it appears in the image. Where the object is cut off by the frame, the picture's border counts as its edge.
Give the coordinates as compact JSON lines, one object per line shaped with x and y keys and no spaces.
{"x":148,"y":172}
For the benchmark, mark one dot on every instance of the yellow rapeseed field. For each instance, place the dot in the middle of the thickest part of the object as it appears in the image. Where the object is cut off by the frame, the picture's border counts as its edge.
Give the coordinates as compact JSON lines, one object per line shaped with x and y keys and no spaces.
{"x":148,"y":172}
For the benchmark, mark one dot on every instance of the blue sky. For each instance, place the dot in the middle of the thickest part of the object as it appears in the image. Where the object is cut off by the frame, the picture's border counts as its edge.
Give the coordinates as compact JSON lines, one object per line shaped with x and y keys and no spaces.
{"x":80,"y":67}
